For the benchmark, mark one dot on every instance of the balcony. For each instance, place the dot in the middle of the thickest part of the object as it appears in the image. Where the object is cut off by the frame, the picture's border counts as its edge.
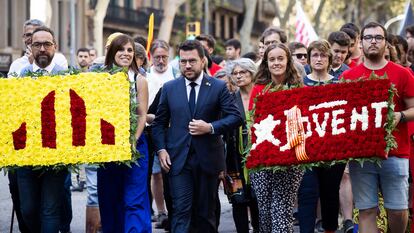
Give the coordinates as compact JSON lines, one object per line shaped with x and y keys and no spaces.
{"x":139,"y":17}
{"x":232,"y":5}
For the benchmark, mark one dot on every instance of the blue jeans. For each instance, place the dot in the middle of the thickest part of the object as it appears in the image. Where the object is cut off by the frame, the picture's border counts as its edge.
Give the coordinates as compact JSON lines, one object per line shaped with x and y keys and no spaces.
{"x":67,"y":206}
{"x":92,"y":185}
{"x":322,"y":182}
{"x":308,"y":195}
{"x":42,"y":193}
{"x":391,"y":177}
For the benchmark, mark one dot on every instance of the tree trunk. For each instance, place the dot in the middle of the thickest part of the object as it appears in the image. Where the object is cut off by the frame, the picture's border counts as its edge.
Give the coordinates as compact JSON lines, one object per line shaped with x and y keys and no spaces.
{"x":246,"y":29}
{"x":98,"y":20}
{"x":285,"y":18}
{"x":318,"y":14}
{"x":168,"y":19}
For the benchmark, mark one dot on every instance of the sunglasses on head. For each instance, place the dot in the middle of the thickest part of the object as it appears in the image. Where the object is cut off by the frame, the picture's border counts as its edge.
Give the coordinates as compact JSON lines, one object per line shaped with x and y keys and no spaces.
{"x":301,"y":55}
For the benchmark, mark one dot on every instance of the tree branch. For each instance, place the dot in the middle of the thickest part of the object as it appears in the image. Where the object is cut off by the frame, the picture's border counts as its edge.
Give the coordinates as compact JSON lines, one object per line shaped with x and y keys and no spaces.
{"x":318,"y":14}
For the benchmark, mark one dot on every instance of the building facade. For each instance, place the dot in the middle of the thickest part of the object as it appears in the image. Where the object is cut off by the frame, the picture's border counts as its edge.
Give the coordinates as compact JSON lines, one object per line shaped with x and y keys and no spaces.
{"x":128,"y":16}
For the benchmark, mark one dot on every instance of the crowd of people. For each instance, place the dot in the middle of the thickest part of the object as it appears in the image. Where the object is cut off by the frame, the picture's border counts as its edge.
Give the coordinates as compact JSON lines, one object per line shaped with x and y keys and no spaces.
{"x":193,"y":133}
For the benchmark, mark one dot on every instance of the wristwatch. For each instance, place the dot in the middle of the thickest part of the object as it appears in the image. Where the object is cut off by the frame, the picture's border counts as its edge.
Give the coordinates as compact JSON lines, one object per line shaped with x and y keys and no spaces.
{"x":211,"y":129}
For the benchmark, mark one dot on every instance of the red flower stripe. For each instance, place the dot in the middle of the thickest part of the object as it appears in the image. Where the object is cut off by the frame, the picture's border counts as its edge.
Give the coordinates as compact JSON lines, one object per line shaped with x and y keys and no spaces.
{"x":356,"y":143}
{"x":107,"y":132}
{"x":78,"y":112}
{"x":48,"y":119}
{"x":19,"y":137}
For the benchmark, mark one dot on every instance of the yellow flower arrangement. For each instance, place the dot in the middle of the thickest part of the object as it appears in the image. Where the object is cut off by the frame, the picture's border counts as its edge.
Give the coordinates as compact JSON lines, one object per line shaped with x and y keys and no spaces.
{"x":105,"y":97}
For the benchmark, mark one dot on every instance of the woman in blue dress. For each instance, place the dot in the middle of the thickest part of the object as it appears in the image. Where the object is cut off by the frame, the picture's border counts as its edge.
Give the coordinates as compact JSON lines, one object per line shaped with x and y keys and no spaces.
{"x":123,"y":193}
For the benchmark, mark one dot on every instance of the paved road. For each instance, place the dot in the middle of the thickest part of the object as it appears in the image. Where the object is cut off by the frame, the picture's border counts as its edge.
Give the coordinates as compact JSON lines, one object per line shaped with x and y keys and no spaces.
{"x":78,"y":205}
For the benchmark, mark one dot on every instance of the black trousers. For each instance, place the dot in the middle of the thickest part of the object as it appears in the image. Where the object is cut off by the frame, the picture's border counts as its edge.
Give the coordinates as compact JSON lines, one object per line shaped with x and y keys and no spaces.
{"x":194,"y":198}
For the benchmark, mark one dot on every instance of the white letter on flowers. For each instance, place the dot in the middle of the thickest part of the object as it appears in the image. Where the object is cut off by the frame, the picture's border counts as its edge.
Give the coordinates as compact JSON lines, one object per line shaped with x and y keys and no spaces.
{"x":378,"y":116}
{"x":337,"y":121}
{"x":263,"y":131}
{"x":308,"y":126}
{"x":328,"y":104}
{"x":320,"y":128}
{"x":363,"y":118}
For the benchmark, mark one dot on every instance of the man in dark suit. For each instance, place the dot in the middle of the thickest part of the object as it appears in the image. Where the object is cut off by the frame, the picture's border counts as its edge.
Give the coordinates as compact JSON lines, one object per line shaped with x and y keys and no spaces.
{"x":193,"y":112}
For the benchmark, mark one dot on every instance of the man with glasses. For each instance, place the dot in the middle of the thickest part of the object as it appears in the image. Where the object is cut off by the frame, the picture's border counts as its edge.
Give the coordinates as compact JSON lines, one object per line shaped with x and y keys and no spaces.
{"x":17,"y":65}
{"x":194,"y":111}
{"x":391,"y":175}
{"x":44,"y":203}
{"x":159,"y":73}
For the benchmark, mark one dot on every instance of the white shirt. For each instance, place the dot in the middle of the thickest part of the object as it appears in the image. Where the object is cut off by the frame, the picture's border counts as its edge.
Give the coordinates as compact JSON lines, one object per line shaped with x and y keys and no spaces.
{"x":18,"y":64}
{"x":156,"y":81}
{"x":48,"y":68}
{"x":197,"y":88}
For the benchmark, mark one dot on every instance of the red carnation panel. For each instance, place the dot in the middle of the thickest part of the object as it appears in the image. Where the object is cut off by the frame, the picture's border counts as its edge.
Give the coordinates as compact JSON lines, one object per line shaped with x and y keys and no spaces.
{"x":19,"y":137}
{"x":341,"y":121}
{"x":107,"y":133}
{"x":48,"y":120}
{"x":78,"y":112}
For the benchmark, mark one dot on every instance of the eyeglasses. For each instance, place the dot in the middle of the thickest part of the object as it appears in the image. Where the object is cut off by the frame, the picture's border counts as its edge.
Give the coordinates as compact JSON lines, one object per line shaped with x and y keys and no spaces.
{"x":46,"y":45}
{"x":369,"y":38}
{"x":319,"y":55}
{"x":184,"y":62}
{"x":300,"y":55}
{"x":161,"y":57}
{"x":29,"y":34}
{"x":241,"y":73}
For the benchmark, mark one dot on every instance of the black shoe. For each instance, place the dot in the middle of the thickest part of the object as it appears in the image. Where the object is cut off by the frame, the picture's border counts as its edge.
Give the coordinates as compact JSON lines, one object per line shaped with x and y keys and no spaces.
{"x":348,"y":226}
{"x":78,"y":188}
{"x":319,"y":227}
{"x":162,"y":221}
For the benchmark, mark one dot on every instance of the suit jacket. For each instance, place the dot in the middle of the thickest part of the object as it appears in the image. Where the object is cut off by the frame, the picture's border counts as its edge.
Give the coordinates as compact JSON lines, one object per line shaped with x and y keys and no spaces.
{"x":170,"y":130}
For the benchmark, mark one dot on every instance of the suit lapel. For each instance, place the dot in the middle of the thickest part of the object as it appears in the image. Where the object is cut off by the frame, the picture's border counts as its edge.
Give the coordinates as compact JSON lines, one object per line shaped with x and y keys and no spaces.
{"x":203,"y":93}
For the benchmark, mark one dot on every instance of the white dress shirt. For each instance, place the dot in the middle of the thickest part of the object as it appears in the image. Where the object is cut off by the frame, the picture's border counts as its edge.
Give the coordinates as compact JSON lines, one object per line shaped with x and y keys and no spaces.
{"x":18,"y":64}
{"x":48,"y":68}
{"x":197,"y":88}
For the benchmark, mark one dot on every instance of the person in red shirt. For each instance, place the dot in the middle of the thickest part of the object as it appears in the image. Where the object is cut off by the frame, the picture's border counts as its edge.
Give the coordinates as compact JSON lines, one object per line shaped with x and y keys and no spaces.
{"x":208,"y":43}
{"x":356,"y":54}
{"x":276,"y":191}
{"x":391,"y":174}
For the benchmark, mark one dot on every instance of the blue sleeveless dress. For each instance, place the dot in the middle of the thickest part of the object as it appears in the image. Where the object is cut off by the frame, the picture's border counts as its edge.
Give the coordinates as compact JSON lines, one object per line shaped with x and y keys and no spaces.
{"x":123,"y":195}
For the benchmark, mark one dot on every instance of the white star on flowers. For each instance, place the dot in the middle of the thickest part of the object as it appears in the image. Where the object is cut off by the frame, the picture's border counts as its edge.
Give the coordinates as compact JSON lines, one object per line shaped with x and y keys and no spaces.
{"x":264,"y":130}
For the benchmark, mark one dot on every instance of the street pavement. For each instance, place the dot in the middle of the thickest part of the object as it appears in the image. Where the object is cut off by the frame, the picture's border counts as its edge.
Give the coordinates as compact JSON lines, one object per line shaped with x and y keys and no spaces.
{"x":78,"y":206}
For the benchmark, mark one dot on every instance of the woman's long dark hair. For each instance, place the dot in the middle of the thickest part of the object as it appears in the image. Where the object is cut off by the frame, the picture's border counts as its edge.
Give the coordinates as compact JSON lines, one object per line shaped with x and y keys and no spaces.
{"x":292,"y":77}
{"x":116,"y":45}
